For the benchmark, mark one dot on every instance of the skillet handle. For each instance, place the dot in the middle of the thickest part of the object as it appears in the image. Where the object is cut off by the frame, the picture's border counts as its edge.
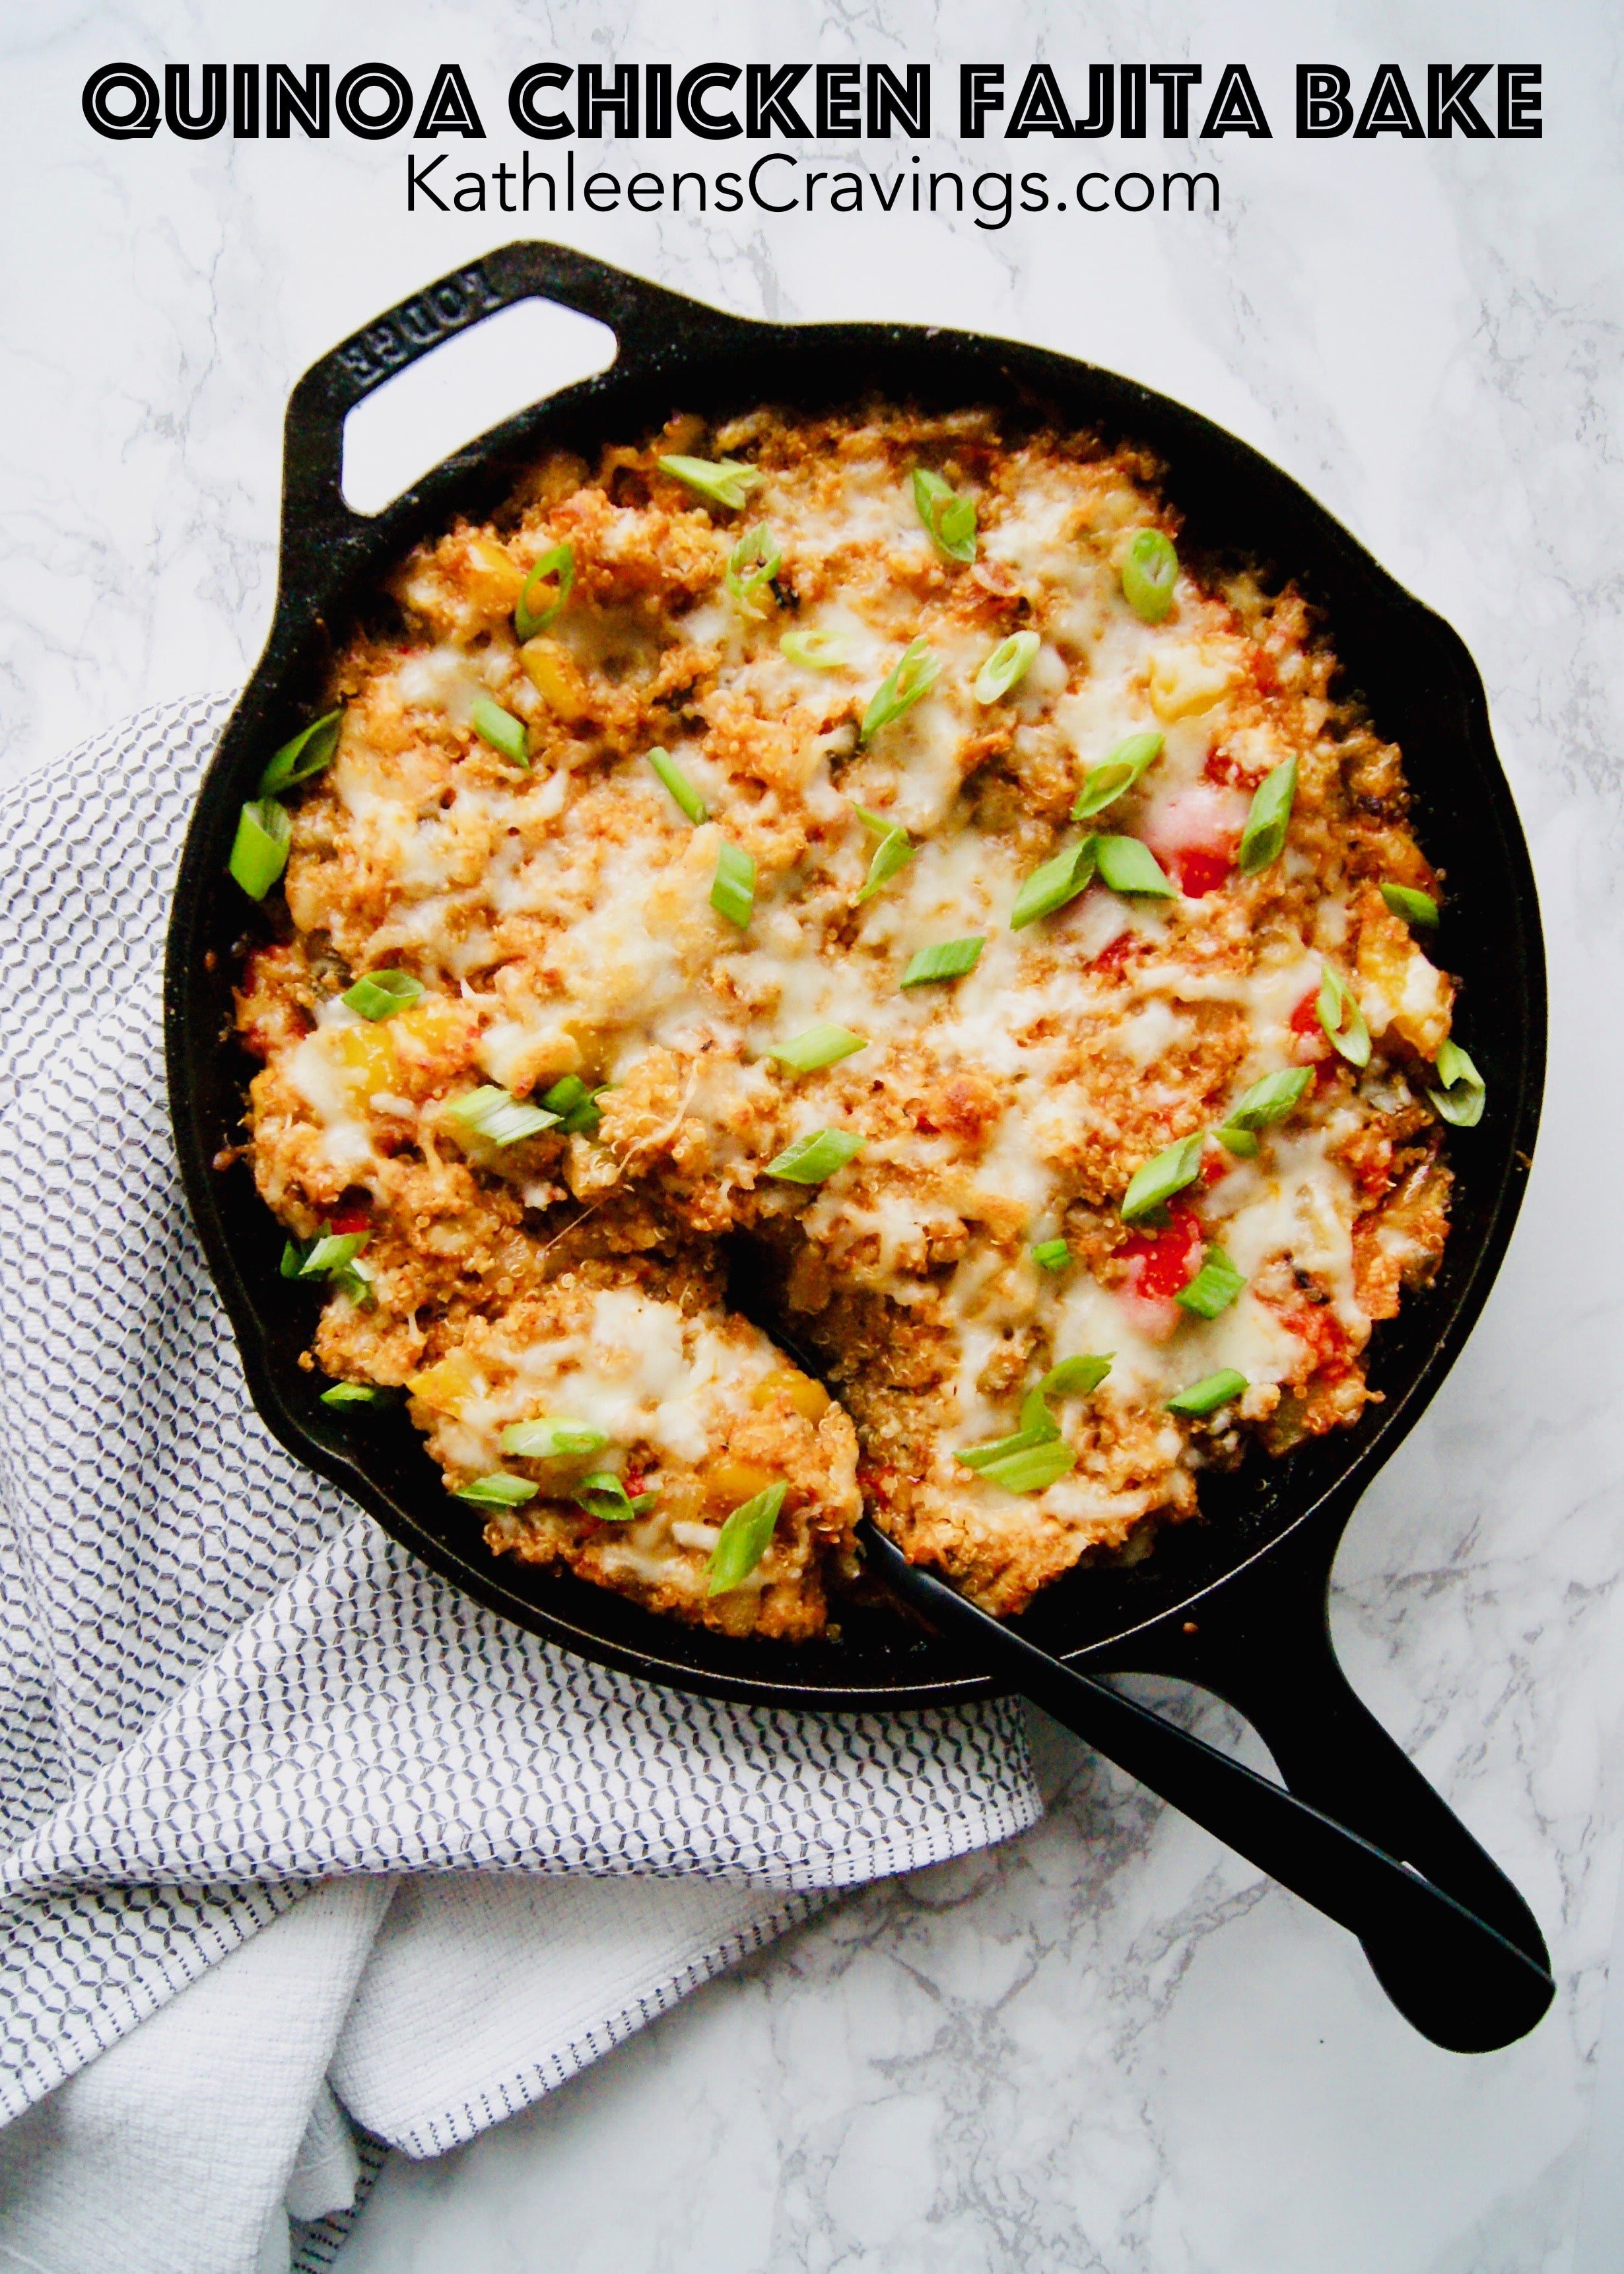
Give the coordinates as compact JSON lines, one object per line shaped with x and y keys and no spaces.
{"x":1264,"y":1644}
{"x":649,"y":323}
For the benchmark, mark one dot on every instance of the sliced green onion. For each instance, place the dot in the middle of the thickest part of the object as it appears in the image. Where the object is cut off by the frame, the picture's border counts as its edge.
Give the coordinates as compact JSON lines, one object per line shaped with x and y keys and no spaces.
{"x":1342,"y":1020}
{"x":817,"y":650}
{"x":556,"y":567}
{"x":602,"y":1494}
{"x":948,"y":516}
{"x":1158,"y":1180}
{"x":727,"y":482}
{"x":1006,"y":666}
{"x":328,"y":1257}
{"x":497,"y":1491}
{"x":814,"y":1157}
{"x":576,"y":1105}
{"x":501,"y":730}
{"x":1031,"y":1468}
{"x":356,"y":1281}
{"x":745,"y":1539}
{"x":293,"y":1254}
{"x":1056,"y":883}
{"x":751,"y":567}
{"x":498,"y":1117}
{"x":732,"y":888}
{"x":821,"y":1045}
{"x":1149,"y":572}
{"x":1073,"y":1377}
{"x":1415,"y":907}
{"x":355,"y":1393}
{"x":1205,"y":1396}
{"x":259,"y":849}
{"x":1268,"y":1101}
{"x":999,"y":1448}
{"x":894,"y":851}
{"x":311,"y":750}
{"x":1052,"y":1255}
{"x":1114,"y":777}
{"x":551,"y":1441}
{"x":1241,"y":1142}
{"x":678,"y":783}
{"x":949,"y":959}
{"x":1214,"y":1287}
{"x":1263,"y":839}
{"x":914,"y":674}
{"x":1461,"y":1099}
{"x":1128,"y":865}
{"x":380,"y":994}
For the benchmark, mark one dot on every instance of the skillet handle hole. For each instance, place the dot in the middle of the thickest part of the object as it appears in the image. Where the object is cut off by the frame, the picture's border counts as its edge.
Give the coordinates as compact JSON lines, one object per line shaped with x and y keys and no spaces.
{"x":470,"y":382}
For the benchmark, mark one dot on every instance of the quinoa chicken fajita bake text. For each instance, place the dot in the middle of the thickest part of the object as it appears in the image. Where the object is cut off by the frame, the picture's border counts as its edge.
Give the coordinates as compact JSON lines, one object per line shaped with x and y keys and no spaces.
{"x":865,"y":845}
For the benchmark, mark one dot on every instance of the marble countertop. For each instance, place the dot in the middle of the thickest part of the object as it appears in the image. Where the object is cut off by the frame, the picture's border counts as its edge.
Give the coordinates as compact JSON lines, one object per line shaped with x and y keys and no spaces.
{"x":1109,"y":2044}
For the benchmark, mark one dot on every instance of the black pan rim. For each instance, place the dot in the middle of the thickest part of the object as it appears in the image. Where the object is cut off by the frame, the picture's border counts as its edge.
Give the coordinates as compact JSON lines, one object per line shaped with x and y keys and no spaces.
{"x":300,"y":606}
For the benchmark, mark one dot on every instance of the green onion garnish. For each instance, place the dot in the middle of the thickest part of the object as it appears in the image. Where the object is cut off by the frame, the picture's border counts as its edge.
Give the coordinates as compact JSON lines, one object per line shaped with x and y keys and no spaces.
{"x":1266,"y":1103}
{"x":732,"y":889}
{"x":1342,"y":1020}
{"x":1415,"y":907}
{"x":1206,"y":1396}
{"x":913,"y":673}
{"x":894,"y":851}
{"x":576,"y":1105}
{"x":678,"y":783}
{"x":356,"y":1281}
{"x":821,"y":1045}
{"x":501,"y":730}
{"x":259,"y":849}
{"x":380,"y":994}
{"x":557,"y":569}
{"x":1214,"y":1287}
{"x":497,"y":1491}
{"x":293,"y":1253}
{"x":981,"y":1457}
{"x":1073,"y":1377}
{"x":311,"y":750}
{"x":950,"y":959}
{"x":1052,"y":1255}
{"x":1031,"y":1468}
{"x":331,"y":1254}
{"x":1461,"y":1099}
{"x":1054,"y":885}
{"x":745,"y":1539}
{"x":1128,"y":865}
{"x":1006,"y":666}
{"x":751,"y":567}
{"x":551,"y":1441}
{"x":1149,"y":572}
{"x":355,"y":1393}
{"x":817,"y":650}
{"x":1114,"y":777}
{"x":814,"y":1157}
{"x":1264,"y":837}
{"x":949,"y":518}
{"x":727,"y":482}
{"x":498,"y":1117}
{"x":602,"y":1494}
{"x":1158,"y":1180}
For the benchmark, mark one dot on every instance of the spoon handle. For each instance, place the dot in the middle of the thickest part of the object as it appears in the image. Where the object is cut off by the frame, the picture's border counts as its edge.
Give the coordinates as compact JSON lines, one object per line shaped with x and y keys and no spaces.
{"x":1459,"y":1981}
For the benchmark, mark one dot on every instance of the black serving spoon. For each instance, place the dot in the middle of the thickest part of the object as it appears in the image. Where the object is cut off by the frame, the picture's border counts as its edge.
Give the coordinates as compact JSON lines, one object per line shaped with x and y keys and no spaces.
{"x":1457,"y":1979}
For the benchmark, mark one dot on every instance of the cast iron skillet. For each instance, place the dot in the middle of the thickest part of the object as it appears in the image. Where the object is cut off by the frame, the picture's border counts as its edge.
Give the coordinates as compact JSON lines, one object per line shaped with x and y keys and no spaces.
{"x":1236,"y":1602}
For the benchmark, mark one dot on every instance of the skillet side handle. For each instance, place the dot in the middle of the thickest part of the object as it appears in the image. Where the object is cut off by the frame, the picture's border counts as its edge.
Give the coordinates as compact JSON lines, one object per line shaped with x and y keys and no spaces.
{"x":1264,"y":1645}
{"x":647,"y":322}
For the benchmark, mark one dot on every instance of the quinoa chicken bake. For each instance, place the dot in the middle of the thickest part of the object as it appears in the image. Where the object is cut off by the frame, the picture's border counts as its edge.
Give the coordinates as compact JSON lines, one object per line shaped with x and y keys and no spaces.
{"x":863,"y":844}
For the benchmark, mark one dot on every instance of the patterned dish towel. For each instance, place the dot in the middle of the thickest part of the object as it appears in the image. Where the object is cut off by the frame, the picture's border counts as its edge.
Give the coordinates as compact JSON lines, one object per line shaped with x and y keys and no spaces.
{"x":225,"y":1697}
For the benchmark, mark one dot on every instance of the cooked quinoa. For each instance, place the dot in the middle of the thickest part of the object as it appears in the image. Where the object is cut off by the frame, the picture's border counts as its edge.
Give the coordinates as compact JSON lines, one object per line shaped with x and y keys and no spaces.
{"x":568,"y":914}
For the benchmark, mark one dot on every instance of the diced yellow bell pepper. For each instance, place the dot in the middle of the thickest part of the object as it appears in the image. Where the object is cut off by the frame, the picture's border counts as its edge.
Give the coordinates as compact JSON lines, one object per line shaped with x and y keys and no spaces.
{"x":556,"y":677}
{"x":448,"y":1386}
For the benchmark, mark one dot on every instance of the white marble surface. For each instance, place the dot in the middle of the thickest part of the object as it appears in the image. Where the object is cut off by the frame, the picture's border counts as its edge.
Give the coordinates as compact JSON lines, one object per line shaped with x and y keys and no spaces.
{"x":1108,"y":2045}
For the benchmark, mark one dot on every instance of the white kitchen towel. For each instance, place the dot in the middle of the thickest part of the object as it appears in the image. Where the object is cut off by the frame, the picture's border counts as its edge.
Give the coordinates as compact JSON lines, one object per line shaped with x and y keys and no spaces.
{"x":218,"y":1684}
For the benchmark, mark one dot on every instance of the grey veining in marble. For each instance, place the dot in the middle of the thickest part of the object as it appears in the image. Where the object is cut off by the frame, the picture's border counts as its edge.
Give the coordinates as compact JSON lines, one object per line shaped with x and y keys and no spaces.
{"x":1108,"y":2045}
